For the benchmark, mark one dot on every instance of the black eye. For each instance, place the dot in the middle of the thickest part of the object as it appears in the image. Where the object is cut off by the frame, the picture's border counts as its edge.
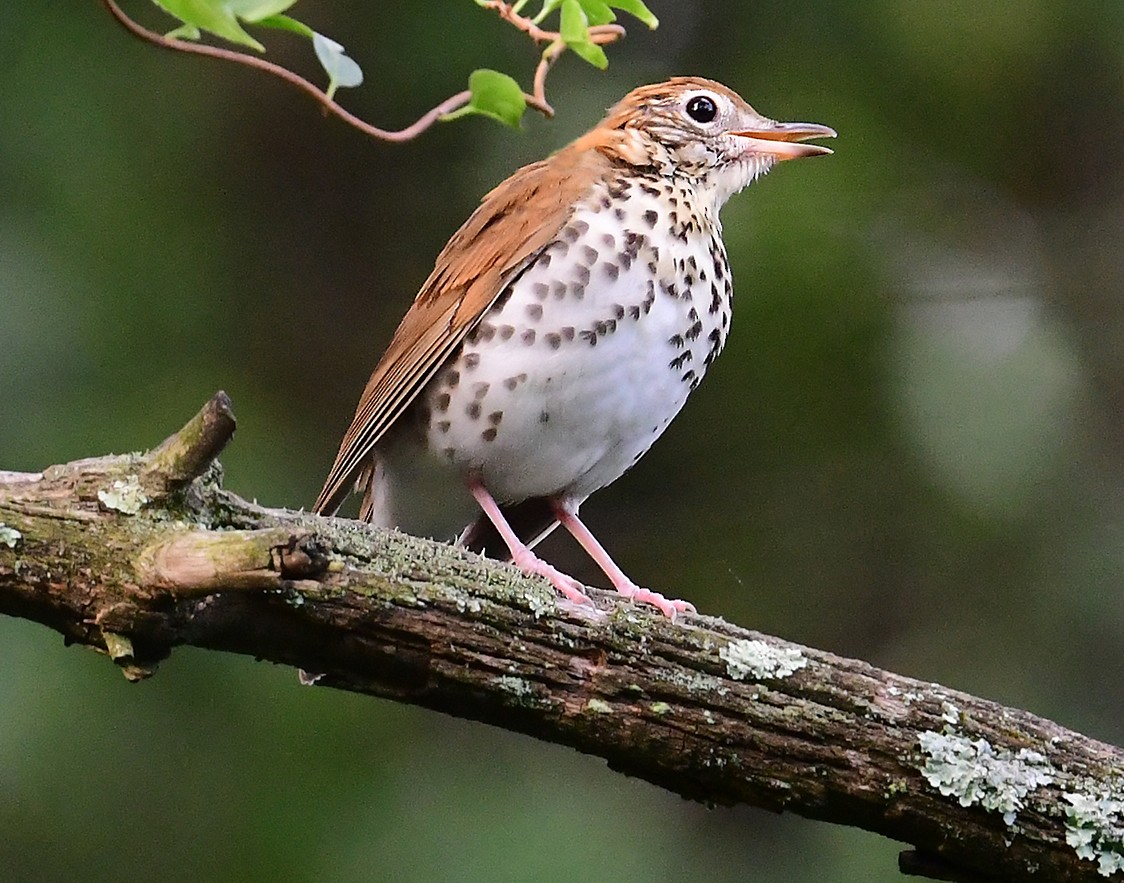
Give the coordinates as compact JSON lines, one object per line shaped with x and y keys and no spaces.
{"x":702,"y":109}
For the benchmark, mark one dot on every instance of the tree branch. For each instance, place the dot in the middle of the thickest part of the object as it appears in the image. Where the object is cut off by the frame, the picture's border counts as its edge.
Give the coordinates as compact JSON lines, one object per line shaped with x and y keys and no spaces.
{"x":137,"y":554}
{"x":600,"y":35}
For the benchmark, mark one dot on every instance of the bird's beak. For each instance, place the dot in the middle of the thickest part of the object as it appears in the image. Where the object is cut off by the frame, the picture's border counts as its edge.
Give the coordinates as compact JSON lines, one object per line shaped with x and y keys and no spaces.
{"x":782,"y":140}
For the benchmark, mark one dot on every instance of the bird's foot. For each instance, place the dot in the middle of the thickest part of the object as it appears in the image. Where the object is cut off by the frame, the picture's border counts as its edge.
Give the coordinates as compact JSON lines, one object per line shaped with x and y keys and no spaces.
{"x":532,"y":565}
{"x":669,"y":607}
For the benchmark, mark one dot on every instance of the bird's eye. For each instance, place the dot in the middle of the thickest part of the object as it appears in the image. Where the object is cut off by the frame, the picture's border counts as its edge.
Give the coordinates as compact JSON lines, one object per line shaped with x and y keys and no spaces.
{"x":702,"y":109}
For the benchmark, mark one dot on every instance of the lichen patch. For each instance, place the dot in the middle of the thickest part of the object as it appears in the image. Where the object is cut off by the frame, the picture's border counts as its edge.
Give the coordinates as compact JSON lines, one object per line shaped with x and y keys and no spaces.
{"x":975,"y":772}
{"x":754,"y":659}
{"x":125,"y":495}
{"x":9,"y":536}
{"x":1094,"y":827}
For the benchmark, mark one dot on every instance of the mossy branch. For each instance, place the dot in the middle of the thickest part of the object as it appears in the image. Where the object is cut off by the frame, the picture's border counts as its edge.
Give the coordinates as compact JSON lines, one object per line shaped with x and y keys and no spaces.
{"x":135,"y":555}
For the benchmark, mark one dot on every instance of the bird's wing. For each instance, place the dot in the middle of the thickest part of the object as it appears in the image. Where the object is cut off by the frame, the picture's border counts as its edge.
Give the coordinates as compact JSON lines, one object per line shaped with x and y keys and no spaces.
{"x":504,"y":236}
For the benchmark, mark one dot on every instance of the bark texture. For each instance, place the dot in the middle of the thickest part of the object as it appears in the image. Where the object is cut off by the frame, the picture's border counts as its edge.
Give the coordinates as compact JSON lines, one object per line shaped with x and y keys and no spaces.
{"x":138,"y":554}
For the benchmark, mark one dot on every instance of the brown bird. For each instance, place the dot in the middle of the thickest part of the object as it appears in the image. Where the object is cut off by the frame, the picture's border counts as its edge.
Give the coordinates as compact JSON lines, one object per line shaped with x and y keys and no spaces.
{"x":561,"y":330}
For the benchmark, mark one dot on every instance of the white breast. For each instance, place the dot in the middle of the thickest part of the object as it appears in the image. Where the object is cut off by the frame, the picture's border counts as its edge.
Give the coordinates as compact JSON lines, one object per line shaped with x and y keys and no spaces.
{"x":582,"y":364}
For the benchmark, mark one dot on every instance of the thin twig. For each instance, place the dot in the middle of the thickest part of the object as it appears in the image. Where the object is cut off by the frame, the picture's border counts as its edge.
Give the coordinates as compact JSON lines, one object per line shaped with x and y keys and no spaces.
{"x":447,"y":106}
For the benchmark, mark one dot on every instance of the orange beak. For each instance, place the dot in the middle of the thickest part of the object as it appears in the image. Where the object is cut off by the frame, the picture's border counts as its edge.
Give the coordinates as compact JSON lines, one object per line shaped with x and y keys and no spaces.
{"x":782,"y":140}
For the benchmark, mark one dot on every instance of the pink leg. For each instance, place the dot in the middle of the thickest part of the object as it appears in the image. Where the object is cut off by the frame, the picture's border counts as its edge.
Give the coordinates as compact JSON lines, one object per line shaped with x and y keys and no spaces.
{"x":521,"y":556}
{"x":620,"y":580}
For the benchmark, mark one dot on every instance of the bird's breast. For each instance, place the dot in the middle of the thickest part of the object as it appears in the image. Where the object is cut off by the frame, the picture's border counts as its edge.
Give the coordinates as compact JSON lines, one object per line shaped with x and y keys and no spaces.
{"x":585,"y":358}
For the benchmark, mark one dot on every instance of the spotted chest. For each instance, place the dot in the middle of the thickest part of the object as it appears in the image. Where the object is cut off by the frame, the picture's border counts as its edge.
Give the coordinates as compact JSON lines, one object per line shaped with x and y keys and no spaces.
{"x":588,"y":354}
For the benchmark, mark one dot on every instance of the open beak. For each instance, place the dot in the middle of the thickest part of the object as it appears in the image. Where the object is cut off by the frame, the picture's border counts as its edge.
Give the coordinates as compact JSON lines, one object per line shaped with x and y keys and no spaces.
{"x":782,"y":140}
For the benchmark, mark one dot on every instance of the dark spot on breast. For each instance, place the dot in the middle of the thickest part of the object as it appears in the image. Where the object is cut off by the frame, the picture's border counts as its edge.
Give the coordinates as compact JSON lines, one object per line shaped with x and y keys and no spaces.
{"x":715,"y":299}
{"x":567,"y":332}
{"x":553,"y":340}
{"x":506,"y":332}
{"x":495,"y":417}
{"x":489,"y":434}
{"x":582,"y":274}
{"x":578,"y":291}
{"x":534,"y":312}
{"x":511,"y":382}
{"x":650,"y":190}
{"x":618,"y":213}
{"x":608,"y":240}
{"x":611,"y":270}
{"x":559,"y":290}
{"x":676,"y":340}
{"x":528,"y":336}
{"x":544,"y":417}
{"x":541,"y":290}
{"x":444,"y":425}
{"x":618,"y":311}
{"x":589,"y":336}
{"x":680,"y":360}
{"x":694,"y":331}
{"x":634,"y":312}
{"x":479,"y":390}
{"x":441,"y":402}
{"x":692,"y":263}
{"x":502,"y":300}
{"x":471,"y":360}
{"x":650,"y":218}
{"x":452,"y":379}
{"x":589,"y":254}
{"x":473,"y":410}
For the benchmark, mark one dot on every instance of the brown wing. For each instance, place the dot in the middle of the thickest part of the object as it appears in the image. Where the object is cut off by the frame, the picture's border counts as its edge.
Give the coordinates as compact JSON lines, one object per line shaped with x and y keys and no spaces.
{"x":510,"y":228}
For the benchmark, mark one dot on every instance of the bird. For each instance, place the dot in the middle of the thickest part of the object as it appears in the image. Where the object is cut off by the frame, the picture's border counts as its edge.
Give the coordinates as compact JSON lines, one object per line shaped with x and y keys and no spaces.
{"x":562,"y":328}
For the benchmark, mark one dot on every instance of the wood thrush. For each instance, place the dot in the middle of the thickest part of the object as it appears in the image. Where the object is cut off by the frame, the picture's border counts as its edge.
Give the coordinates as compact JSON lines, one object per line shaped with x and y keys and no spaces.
{"x":562,"y":328}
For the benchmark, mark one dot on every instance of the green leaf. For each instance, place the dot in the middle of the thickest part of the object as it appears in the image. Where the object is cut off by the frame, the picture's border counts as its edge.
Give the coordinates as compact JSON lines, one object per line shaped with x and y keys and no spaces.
{"x":548,"y":7}
{"x":212,"y":16}
{"x":597,"y":12}
{"x":342,"y":71}
{"x":184,"y":32}
{"x":286,"y":23}
{"x":494,"y":95}
{"x":575,"y":34}
{"x":637,"y":9}
{"x":254,"y":11}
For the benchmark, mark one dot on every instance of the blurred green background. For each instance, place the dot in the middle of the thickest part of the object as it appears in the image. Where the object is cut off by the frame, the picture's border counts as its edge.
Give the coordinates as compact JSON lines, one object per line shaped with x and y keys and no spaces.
{"x":911,"y":451}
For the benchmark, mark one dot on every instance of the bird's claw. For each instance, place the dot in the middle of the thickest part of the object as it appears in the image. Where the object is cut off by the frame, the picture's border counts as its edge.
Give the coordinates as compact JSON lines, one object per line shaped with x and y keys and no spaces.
{"x":532,"y":565}
{"x":669,"y":607}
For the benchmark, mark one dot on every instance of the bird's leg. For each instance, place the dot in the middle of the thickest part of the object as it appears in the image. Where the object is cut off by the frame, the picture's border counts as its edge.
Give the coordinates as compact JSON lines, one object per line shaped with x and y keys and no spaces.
{"x":521,"y":556}
{"x":568,"y":517}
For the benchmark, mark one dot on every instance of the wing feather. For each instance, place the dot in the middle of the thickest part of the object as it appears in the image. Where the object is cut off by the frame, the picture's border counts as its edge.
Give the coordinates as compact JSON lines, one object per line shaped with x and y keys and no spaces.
{"x":504,"y":236}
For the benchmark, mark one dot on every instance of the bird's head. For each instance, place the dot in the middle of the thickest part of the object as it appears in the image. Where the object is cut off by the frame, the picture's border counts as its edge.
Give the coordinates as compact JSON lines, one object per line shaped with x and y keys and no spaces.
{"x":700,"y":129}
